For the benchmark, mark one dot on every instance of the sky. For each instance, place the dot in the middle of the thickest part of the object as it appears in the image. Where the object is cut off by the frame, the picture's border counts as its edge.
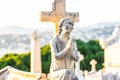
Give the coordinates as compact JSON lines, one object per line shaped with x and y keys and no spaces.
{"x":25,"y":13}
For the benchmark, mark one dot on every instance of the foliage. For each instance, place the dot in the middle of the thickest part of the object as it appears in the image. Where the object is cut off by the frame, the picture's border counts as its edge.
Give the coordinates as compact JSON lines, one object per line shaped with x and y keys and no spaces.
{"x":19,"y":61}
{"x":90,"y":50}
{"x":46,"y":58}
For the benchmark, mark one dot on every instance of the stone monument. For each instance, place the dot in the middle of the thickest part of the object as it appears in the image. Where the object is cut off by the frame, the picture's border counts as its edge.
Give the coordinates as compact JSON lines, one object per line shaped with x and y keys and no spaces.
{"x":111,"y":48}
{"x":93,"y":63}
{"x":64,"y":52}
{"x":35,"y":53}
{"x":93,"y":74}
{"x":10,"y":73}
{"x":58,"y":12}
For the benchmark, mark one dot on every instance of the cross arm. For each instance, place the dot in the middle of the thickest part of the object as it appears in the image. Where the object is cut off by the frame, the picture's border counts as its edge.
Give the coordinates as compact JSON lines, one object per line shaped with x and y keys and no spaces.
{"x":73,"y":15}
{"x":47,"y":16}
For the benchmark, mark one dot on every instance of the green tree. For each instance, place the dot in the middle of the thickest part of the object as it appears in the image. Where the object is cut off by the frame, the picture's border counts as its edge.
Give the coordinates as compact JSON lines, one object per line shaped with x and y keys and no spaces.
{"x":19,"y":61}
{"x":90,"y":50}
{"x":46,"y":58}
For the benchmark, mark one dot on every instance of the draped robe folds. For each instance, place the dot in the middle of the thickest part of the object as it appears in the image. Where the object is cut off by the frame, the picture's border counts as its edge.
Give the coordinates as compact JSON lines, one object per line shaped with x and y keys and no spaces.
{"x":62,"y":62}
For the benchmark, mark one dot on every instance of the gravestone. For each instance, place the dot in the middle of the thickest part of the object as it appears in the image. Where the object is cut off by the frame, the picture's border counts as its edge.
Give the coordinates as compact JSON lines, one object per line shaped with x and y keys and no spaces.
{"x":93,"y":63}
{"x":10,"y":73}
{"x":111,"y":48}
{"x":58,"y":12}
{"x":35,"y":53}
{"x":93,"y":74}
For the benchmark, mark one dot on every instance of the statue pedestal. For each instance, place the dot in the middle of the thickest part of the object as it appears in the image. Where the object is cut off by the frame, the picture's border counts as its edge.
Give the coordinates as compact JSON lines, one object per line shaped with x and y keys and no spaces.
{"x":112,"y":58}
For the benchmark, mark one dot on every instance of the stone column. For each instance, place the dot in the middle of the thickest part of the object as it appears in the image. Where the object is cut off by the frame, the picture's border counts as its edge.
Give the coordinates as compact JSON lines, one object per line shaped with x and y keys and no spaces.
{"x":35,"y":53}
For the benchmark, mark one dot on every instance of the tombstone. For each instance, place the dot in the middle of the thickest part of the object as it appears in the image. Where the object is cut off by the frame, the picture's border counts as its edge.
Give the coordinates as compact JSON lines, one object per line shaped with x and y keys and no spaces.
{"x":93,"y":74}
{"x":93,"y":63}
{"x":58,"y":12}
{"x":35,"y":53}
{"x":78,"y":72}
{"x":111,"y":48}
{"x":10,"y":73}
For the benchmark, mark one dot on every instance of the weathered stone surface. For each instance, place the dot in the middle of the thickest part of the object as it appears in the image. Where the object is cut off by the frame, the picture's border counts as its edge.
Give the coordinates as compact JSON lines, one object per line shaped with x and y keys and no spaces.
{"x":35,"y":53}
{"x":10,"y":73}
{"x":58,"y":12}
{"x":111,"y":48}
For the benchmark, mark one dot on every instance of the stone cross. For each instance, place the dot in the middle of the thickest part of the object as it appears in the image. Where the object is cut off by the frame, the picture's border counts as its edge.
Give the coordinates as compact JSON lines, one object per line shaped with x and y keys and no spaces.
{"x":93,"y":63}
{"x":35,"y":53}
{"x":58,"y":12}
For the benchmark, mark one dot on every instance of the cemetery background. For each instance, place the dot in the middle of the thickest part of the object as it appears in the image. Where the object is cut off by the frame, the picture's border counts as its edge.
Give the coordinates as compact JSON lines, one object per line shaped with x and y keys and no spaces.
{"x":90,"y":50}
{"x":98,"y":31}
{"x":84,"y":46}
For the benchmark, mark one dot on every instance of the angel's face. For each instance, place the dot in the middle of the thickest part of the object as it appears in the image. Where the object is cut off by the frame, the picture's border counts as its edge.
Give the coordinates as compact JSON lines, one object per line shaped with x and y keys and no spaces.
{"x":67,"y":26}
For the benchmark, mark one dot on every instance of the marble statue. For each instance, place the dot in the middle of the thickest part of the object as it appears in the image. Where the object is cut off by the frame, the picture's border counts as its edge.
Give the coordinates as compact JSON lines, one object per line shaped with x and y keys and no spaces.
{"x":113,"y":40}
{"x":64,"y":53}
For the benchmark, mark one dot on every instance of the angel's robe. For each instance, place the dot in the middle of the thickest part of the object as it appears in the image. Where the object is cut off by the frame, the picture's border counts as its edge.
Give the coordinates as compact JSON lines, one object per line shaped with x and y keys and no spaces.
{"x":62,"y":61}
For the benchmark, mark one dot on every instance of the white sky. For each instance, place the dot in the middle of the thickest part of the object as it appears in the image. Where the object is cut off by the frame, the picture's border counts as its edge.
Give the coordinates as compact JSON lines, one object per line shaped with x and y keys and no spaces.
{"x":25,"y":13}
